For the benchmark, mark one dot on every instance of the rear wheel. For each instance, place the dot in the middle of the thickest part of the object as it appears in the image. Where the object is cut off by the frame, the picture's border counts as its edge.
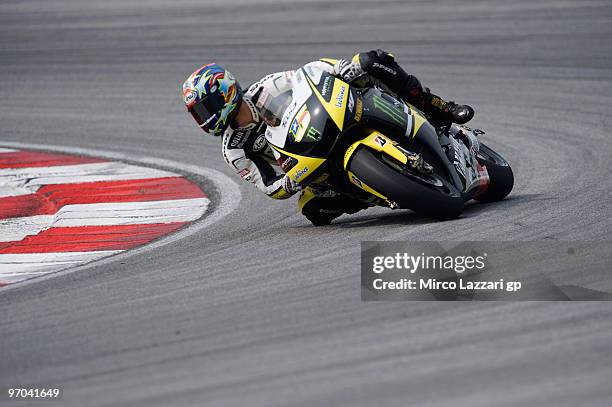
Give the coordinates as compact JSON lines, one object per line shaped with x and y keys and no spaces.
{"x":424,"y":194}
{"x":501,"y":178}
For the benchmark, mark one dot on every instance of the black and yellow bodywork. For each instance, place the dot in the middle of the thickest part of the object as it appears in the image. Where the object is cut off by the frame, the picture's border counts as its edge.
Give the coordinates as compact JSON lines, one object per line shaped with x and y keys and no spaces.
{"x":337,"y":120}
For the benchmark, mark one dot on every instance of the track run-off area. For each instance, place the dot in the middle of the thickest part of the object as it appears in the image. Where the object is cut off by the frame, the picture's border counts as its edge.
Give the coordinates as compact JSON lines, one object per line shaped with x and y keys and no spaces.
{"x":58,"y":211}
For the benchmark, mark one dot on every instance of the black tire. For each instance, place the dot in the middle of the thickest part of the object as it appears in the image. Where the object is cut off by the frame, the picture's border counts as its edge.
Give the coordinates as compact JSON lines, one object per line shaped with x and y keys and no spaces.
{"x":501,"y":178}
{"x":407,"y":193}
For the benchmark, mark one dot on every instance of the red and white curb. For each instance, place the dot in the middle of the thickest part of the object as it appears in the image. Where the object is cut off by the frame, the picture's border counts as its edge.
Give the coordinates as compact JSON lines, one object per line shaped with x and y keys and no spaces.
{"x":59,"y":211}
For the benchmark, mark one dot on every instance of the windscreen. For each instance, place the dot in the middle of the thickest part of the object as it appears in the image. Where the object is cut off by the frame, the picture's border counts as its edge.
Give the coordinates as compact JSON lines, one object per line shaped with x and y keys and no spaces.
{"x":272,"y":107}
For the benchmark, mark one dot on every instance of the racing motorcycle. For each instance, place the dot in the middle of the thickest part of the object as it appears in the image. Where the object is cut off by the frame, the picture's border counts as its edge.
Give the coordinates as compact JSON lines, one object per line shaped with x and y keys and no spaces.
{"x":369,"y":145}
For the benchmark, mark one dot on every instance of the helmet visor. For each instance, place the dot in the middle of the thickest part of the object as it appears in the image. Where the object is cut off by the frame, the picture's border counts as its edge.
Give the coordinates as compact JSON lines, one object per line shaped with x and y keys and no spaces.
{"x":206,"y":112}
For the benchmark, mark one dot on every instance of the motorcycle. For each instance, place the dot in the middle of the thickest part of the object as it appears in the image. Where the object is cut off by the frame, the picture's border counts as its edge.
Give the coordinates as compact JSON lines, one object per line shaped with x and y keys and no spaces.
{"x":369,"y":145}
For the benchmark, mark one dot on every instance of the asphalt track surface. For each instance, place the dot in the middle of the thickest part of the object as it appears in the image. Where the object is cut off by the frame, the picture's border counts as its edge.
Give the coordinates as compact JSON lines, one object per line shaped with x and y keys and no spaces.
{"x":262,"y":309}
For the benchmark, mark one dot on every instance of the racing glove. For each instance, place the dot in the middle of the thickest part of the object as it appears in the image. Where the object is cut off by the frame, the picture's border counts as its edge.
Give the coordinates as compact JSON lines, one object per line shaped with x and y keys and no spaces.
{"x":349,"y":71}
{"x":290,"y":186}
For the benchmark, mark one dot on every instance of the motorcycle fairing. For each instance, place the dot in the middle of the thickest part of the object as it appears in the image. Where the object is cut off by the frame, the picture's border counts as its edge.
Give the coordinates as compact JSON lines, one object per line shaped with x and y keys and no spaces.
{"x":325,"y":109}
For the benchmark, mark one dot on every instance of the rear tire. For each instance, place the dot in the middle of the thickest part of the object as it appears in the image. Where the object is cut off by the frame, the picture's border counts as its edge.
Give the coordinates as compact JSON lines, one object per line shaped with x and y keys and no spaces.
{"x":501,"y":178}
{"x":399,"y":188}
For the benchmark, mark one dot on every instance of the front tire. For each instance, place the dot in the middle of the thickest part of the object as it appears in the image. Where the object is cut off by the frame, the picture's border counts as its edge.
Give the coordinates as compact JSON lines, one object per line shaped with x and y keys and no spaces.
{"x":401,"y":189}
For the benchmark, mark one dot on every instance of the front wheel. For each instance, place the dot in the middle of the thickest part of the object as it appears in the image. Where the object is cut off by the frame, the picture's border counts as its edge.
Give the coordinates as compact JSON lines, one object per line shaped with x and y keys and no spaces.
{"x":409,"y":192}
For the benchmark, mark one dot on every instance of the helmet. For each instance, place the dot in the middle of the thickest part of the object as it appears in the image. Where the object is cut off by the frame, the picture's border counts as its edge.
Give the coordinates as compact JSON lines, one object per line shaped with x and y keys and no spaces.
{"x":212,"y":96}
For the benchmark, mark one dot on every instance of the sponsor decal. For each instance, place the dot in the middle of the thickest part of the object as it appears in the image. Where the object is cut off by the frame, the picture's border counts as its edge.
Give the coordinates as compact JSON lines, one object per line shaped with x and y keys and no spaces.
{"x":260,"y":143}
{"x":389,"y":110}
{"x":482,"y":179}
{"x":288,"y":113}
{"x":237,"y":140}
{"x":385,"y":68}
{"x":313,"y":134}
{"x":348,"y":153}
{"x":340,"y":96}
{"x":190,"y":97}
{"x":356,"y":181}
{"x":300,"y":124}
{"x":294,"y":127}
{"x":351,"y":102}
{"x":300,"y":173}
{"x":437,"y":102}
{"x":244,"y":173}
{"x":325,"y":87}
{"x":287,"y":163}
{"x":304,"y":118}
{"x":381,"y":141}
{"x":359,"y":110}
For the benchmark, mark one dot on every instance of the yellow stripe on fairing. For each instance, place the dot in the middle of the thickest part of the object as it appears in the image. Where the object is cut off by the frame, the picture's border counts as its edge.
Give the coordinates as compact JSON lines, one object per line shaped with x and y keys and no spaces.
{"x":388,"y":148}
{"x":305,"y":165}
{"x":418,"y":121}
{"x":330,"y":61}
{"x":335,"y":112}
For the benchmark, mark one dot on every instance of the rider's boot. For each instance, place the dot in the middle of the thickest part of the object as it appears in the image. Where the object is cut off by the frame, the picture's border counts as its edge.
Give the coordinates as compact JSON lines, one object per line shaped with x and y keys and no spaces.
{"x":321,"y":208}
{"x":444,"y":112}
{"x":321,"y":217}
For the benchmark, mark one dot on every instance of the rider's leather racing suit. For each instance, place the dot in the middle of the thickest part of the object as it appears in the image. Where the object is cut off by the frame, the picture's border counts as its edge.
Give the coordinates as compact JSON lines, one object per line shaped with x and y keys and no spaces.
{"x":247,"y":152}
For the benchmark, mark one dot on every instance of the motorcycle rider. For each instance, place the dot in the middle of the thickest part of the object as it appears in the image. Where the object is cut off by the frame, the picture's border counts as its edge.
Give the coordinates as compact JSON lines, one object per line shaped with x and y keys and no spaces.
{"x":218,"y":104}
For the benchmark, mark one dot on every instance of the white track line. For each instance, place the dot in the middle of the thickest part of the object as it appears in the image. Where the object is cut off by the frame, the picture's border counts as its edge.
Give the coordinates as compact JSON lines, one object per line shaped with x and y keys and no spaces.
{"x":105,"y":214}
{"x":131,"y":213}
{"x":14,"y":229}
{"x":16,"y":267}
{"x":54,"y":258}
{"x":79,"y":173}
{"x":229,"y":200}
{"x":13,"y":190}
